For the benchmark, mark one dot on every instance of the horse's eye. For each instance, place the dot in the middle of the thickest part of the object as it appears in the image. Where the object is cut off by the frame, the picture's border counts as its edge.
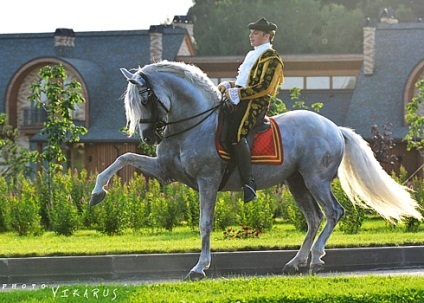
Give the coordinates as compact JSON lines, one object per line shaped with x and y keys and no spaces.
{"x":144,"y":100}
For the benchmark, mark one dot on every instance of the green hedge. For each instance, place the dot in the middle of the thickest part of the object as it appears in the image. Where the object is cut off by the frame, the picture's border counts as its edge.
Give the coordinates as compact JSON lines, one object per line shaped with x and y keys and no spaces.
{"x":31,"y":207}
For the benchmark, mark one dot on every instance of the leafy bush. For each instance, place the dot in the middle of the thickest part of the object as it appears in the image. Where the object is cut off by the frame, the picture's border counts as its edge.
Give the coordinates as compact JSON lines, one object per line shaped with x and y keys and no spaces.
{"x":81,"y":185}
{"x":145,"y":203}
{"x":113,"y":213}
{"x":165,"y":210}
{"x":64,"y":217}
{"x":260,"y":213}
{"x":292,"y":213}
{"x":228,"y":211}
{"x":354,"y":216}
{"x":63,"y":213}
{"x":42,"y":183}
{"x":417,"y":185}
{"x":192,"y":208}
{"x":417,"y":192}
{"x":24,"y":209}
{"x":137,"y":203}
{"x":5,"y":206}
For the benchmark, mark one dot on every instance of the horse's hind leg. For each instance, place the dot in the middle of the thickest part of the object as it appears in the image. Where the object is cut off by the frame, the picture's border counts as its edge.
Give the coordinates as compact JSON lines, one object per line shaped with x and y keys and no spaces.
{"x":333,"y":213}
{"x":313,"y":215}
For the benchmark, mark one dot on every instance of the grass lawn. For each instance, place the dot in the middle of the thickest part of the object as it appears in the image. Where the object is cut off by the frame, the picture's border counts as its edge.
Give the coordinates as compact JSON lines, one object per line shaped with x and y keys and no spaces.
{"x":304,"y":289}
{"x":271,"y":289}
{"x":182,"y":239}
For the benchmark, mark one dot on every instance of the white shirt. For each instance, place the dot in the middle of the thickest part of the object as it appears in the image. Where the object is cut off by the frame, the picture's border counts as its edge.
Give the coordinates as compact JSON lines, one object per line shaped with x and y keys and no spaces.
{"x":246,"y":66}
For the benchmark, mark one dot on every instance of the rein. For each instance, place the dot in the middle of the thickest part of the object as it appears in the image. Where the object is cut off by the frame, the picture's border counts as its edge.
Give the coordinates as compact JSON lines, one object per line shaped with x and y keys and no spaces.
{"x":159,"y":124}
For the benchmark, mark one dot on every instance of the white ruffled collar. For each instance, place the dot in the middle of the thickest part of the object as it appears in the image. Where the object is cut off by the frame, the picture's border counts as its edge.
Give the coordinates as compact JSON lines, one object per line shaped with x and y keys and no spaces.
{"x":246,"y":66}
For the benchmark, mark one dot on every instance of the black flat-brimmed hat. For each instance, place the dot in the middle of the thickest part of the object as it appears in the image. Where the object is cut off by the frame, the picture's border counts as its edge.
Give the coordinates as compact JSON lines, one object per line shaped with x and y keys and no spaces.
{"x":263,"y":25}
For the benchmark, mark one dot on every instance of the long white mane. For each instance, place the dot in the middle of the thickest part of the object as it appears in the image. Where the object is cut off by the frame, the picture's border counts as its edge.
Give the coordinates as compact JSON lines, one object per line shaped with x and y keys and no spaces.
{"x":191,"y":73}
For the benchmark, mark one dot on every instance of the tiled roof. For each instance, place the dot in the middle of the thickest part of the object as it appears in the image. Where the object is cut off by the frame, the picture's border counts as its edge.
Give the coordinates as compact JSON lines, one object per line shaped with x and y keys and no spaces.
{"x":378,"y":98}
{"x":97,"y":56}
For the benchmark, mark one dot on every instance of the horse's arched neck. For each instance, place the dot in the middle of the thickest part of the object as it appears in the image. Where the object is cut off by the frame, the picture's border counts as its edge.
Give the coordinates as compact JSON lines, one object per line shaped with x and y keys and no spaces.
{"x":188,"y":104}
{"x":184,"y":117}
{"x":186,"y":96}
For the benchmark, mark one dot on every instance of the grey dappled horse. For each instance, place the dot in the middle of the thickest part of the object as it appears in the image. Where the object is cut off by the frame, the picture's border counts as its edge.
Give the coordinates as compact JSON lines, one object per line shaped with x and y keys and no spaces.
{"x":175,"y":106}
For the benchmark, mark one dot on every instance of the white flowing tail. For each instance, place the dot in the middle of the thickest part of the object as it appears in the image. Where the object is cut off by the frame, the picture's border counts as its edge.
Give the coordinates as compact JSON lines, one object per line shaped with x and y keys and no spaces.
{"x":368,"y":185}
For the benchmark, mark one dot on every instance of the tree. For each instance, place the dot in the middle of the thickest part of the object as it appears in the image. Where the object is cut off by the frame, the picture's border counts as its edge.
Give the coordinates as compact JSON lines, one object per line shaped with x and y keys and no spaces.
{"x":14,"y":159}
{"x":61,"y":98}
{"x":58,"y":97}
{"x":340,"y":31}
{"x":304,"y":26}
{"x":415,"y":120}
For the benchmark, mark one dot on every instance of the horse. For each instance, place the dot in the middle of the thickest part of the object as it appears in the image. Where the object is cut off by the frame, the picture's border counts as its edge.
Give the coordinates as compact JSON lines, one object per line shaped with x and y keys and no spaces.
{"x":175,"y":106}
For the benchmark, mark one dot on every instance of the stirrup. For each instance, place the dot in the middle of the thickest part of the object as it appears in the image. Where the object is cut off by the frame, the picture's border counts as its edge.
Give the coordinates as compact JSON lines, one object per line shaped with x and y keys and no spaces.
{"x":249,"y":192}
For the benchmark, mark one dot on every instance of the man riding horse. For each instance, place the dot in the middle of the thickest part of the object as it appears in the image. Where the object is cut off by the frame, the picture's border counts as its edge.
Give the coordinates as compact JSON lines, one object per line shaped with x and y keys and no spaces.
{"x":258,"y":79}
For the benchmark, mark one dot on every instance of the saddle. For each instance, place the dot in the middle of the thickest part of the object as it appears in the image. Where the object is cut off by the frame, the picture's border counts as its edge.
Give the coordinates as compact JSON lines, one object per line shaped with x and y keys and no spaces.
{"x":264,"y":141}
{"x":262,"y":125}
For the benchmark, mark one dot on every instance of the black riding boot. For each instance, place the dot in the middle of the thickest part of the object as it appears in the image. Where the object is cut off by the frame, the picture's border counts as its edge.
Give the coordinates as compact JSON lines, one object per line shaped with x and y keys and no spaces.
{"x":242,"y":157}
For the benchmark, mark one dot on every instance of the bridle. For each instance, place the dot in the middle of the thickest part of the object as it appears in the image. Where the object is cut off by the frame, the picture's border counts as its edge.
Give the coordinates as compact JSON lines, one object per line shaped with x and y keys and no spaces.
{"x":159,"y":125}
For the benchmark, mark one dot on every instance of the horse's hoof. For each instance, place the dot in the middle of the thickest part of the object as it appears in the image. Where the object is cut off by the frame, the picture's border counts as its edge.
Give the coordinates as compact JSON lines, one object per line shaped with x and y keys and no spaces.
{"x":295,"y":268}
{"x":195,"y":276}
{"x":97,"y":197}
{"x":315,"y":268}
{"x":290,"y":270}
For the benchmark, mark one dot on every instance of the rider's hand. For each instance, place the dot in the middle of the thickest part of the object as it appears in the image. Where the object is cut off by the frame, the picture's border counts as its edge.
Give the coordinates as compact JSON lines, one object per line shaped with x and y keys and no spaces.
{"x":232,"y":95}
{"x":223,"y":86}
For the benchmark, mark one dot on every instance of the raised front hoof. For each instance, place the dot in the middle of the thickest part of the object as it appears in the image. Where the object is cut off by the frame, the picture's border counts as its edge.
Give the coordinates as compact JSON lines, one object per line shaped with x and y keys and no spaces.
{"x":195,"y":276}
{"x":291,"y":270}
{"x":97,"y":197}
{"x":315,"y":268}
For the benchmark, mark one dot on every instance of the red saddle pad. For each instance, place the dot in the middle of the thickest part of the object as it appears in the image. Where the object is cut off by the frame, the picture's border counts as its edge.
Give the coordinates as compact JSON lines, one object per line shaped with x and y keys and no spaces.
{"x":267,"y":147}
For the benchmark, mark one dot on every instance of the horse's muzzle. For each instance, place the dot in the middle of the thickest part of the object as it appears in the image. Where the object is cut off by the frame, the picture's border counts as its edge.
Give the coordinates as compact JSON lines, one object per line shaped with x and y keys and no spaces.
{"x":150,"y":137}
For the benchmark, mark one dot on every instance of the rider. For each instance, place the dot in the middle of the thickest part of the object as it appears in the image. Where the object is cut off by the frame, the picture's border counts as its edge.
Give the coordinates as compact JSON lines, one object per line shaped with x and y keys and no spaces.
{"x":259,"y":77}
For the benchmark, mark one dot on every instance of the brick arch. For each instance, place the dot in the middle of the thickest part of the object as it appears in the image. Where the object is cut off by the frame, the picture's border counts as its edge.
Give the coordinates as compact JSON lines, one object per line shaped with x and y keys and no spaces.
{"x":410,"y":90}
{"x":18,"y":87}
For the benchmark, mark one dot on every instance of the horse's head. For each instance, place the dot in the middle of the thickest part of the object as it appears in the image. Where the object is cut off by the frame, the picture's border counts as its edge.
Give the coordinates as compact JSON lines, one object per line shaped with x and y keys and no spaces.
{"x":166,"y":99}
{"x":144,"y":110}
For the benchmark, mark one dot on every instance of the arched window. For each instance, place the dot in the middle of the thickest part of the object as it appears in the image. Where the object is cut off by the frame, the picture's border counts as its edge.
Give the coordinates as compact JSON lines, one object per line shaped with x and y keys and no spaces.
{"x":411,"y":90}
{"x":22,"y":113}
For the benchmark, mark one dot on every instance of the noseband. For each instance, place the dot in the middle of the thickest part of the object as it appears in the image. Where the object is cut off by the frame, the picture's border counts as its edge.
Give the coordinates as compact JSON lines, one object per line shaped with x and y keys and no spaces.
{"x":159,"y":124}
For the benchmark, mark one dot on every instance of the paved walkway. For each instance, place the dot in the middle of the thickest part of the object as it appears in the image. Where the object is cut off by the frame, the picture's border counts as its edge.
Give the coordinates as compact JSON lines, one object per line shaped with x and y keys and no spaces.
{"x":162,"y":267}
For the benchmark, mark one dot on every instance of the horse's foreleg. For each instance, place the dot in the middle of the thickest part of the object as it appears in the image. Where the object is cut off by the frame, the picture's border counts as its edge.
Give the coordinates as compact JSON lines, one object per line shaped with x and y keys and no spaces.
{"x":148,"y":166}
{"x":207,"y":207}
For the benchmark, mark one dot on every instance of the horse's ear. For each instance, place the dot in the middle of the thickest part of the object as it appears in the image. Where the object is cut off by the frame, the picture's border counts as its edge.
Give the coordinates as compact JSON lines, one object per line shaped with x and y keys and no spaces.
{"x":134,"y":79}
{"x":126,"y":73}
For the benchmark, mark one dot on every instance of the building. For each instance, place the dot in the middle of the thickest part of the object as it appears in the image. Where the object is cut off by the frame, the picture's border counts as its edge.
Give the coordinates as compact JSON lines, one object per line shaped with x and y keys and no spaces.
{"x":358,"y":90}
{"x":94,"y":60}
